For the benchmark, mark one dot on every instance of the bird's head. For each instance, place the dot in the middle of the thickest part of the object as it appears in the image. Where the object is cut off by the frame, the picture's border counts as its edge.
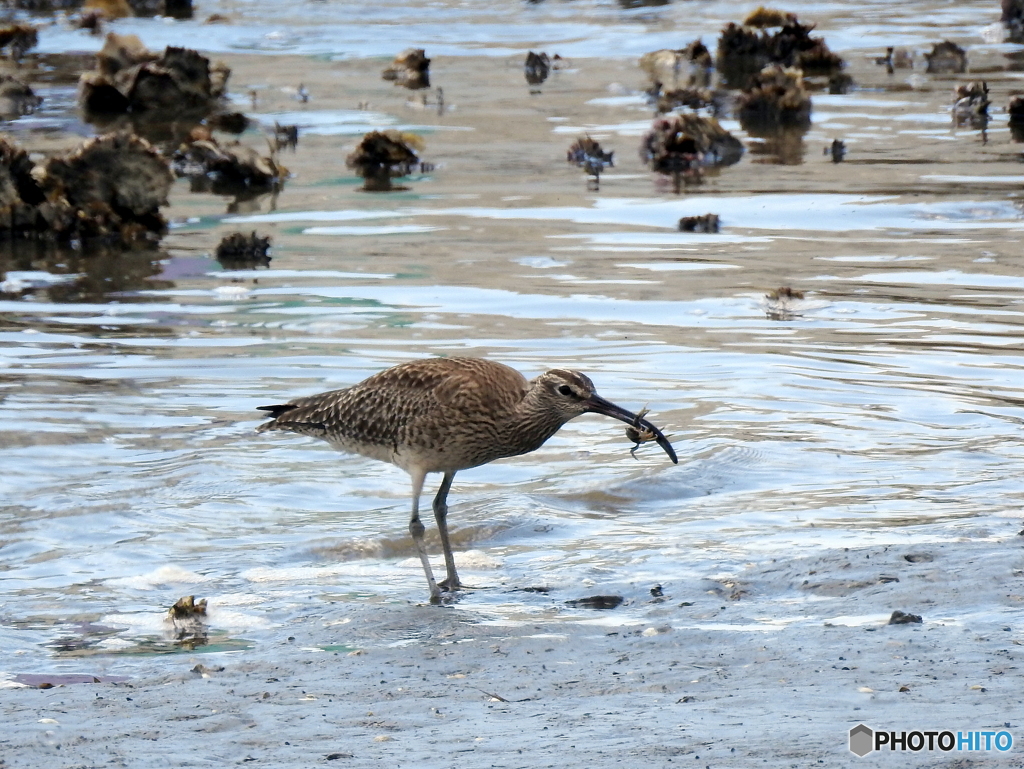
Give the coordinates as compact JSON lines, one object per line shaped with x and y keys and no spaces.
{"x":568,"y":394}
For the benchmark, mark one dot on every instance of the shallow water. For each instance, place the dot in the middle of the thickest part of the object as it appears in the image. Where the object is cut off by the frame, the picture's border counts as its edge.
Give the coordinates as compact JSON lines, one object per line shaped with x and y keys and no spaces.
{"x":882,"y":408}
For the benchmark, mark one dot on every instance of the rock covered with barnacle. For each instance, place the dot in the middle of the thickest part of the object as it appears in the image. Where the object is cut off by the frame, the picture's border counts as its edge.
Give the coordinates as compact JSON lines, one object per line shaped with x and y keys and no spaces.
{"x":772,"y":37}
{"x":131,"y":79}
{"x":110,"y":189}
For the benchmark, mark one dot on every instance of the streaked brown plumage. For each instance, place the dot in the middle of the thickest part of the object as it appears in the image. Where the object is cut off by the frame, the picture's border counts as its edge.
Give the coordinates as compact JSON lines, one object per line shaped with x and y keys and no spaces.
{"x":442,"y":415}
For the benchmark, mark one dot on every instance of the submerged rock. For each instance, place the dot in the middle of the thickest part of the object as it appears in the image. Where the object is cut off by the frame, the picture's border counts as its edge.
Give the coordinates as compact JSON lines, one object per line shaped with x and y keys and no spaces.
{"x":175,"y":9}
{"x":946,"y":58}
{"x":239,"y":251}
{"x":409,"y":69}
{"x":781,"y":303}
{"x":681,"y":145}
{"x":775,"y":99}
{"x":744,"y":51}
{"x":382,"y":156}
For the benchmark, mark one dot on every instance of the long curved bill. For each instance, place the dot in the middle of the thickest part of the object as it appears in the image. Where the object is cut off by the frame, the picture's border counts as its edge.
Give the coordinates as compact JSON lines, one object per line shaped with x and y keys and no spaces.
{"x":598,"y":405}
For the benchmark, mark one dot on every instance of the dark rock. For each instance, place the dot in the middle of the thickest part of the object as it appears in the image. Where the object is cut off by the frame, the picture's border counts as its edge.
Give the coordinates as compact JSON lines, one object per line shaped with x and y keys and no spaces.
{"x":227,"y":169}
{"x":596,"y":602}
{"x":187,"y":607}
{"x":686,"y":68}
{"x":692,"y":98}
{"x":680,"y":146}
{"x":16,"y":98}
{"x":409,"y":69}
{"x":1013,"y":18}
{"x":382,"y":156}
{"x":239,"y":251}
{"x":744,"y":51}
{"x":179,"y":84}
{"x":111,"y":187}
{"x":286,"y":136}
{"x":536,"y":68}
{"x":837,"y":149}
{"x":708,"y":223}
{"x":588,"y":155}
{"x":946,"y":58}
{"x":776,"y":98}
{"x":228,"y":122}
{"x":902,"y":618}
{"x":17,"y":39}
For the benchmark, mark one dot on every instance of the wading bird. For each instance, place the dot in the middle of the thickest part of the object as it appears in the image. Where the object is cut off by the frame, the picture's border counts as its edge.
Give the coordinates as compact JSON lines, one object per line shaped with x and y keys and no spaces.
{"x":442,"y":415}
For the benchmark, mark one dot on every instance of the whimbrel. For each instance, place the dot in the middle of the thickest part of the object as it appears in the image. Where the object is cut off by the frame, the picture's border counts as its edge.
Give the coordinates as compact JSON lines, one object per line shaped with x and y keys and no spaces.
{"x":442,"y":415}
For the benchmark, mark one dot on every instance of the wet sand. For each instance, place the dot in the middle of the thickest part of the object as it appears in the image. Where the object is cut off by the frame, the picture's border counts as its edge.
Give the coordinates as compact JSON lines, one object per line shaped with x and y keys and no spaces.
{"x":691,"y":677}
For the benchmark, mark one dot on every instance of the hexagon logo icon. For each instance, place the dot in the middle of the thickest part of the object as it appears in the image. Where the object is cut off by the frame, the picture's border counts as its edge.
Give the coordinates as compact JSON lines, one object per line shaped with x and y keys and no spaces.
{"x":862,"y":740}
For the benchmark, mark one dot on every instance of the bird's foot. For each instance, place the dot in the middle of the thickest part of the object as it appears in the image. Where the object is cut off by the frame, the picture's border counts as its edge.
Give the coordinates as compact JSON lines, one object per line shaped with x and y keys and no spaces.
{"x":451,"y":585}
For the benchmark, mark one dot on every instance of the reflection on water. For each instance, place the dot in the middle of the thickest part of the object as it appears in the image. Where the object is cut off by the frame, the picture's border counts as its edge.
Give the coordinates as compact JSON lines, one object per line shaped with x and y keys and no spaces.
{"x":35,"y":270}
{"x":874,"y":403}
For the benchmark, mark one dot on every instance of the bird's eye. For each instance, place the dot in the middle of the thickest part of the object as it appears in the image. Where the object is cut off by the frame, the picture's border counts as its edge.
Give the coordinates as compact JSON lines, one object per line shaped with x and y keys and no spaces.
{"x":565,"y":389}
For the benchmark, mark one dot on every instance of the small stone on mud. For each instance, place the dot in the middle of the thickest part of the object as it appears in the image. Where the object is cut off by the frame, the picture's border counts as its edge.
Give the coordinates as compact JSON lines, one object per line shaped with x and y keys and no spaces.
{"x":708,"y":223}
{"x":596,"y":602}
{"x":903,"y":618}
{"x":918,"y":558}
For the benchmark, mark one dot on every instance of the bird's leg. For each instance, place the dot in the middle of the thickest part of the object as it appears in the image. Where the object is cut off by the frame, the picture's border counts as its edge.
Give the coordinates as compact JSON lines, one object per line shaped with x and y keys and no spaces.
{"x":451,"y":582}
{"x":416,"y":530}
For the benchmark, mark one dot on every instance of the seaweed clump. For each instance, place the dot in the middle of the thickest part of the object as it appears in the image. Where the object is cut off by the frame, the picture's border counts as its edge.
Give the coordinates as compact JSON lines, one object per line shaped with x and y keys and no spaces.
{"x":744,"y":50}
